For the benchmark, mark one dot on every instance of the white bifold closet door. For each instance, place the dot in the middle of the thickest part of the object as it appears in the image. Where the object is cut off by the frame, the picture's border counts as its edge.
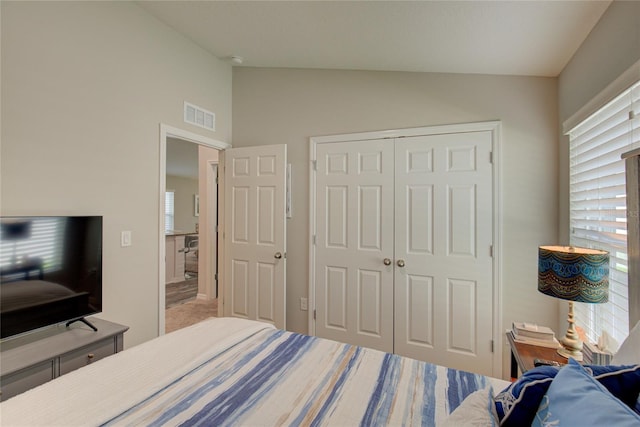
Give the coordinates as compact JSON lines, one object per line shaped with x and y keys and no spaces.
{"x":404,"y":237}
{"x":444,"y":228}
{"x":354,"y":287}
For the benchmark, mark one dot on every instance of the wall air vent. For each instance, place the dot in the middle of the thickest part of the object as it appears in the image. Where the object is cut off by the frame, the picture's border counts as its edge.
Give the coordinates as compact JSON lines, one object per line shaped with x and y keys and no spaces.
{"x":199,"y":116}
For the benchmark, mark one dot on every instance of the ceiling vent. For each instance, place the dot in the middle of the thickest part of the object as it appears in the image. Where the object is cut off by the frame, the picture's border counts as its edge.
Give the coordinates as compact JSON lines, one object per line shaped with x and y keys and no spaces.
{"x":199,"y":116}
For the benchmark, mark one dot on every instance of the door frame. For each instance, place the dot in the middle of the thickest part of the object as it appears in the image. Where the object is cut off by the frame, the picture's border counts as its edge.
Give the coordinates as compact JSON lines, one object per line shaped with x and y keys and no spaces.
{"x":495,"y":127}
{"x":211,"y":262}
{"x":167,"y":131}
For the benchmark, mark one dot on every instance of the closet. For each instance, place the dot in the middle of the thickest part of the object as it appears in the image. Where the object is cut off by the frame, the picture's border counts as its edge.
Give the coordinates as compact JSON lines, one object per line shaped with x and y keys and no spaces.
{"x":402,"y":254}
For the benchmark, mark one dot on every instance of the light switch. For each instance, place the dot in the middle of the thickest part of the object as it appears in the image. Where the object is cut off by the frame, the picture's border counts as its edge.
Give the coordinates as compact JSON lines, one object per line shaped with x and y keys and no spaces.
{"x":125,"y":238}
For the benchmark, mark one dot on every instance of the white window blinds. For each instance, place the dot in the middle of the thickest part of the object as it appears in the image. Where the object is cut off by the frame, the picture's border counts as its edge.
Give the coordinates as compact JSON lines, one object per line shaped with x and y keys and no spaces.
{"x":598,"y":203}
{"x":169,"y":210}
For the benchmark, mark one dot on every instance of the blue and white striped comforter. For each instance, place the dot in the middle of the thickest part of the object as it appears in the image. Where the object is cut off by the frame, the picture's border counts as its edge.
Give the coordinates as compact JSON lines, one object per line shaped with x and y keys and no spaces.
{"x":281,"y":378}
{"x":269,"y":377}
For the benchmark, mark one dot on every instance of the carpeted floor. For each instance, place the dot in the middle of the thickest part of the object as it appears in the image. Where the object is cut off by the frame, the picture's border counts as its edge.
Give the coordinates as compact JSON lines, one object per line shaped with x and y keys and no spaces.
{"x":183,"y":308}
{"x":189,"y":313}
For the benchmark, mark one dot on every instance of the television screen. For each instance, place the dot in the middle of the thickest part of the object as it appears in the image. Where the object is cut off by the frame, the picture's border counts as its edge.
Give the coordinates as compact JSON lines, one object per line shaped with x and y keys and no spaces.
{"x":50,"y":271}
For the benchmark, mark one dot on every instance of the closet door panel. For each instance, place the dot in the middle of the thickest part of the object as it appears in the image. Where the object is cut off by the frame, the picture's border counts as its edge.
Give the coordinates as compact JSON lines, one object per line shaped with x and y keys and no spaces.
{"x":443,"y":232}
{"x":354,"y":217}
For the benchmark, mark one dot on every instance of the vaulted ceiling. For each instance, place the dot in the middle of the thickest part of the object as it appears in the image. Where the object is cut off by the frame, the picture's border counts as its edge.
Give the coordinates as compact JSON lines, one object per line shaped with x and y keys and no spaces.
{"x":529,"y":38}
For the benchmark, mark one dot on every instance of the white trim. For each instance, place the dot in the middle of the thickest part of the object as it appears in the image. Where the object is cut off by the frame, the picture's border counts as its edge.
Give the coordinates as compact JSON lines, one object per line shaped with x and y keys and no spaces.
{"x":311,"y":293}
{"x":495,"y":127}
{"x":210,"y":239}
{"x":498,"y":336}
{"x":613,"y":89}
{"x":167,"y":131}
{"x":399,"y":133}
{"x":170,"y":131}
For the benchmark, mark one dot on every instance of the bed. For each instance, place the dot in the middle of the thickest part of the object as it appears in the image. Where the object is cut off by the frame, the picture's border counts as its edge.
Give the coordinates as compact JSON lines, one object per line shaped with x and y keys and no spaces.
{"x":231,"y":371}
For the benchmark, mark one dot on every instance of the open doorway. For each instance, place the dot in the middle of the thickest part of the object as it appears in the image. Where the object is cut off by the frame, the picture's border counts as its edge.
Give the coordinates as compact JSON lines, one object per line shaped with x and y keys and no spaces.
{"x":184,"y":305}
{"x":188,"y":221}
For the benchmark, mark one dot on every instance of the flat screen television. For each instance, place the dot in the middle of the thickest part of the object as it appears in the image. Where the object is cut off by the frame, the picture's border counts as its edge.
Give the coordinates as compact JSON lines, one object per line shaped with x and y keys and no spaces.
{"x":50,"y":271}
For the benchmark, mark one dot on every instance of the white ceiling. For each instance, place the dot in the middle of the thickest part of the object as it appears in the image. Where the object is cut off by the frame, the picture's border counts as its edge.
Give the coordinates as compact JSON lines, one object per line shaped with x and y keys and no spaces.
{"x":531,"y":38}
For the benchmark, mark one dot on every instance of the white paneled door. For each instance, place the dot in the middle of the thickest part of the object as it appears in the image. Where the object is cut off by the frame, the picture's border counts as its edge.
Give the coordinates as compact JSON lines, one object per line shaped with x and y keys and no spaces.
{"x":255,"y":233}
{"x":403,"y":246}
{"x":443,"y":239}
{"x":354,"y":286}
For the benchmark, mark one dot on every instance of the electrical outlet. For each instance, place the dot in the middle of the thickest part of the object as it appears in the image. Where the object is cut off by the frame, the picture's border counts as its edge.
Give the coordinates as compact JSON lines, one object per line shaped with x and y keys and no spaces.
{"x":303,"y":304}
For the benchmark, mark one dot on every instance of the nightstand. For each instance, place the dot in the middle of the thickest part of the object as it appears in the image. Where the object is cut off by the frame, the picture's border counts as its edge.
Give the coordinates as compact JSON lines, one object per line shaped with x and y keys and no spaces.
{"x":522,"y":355}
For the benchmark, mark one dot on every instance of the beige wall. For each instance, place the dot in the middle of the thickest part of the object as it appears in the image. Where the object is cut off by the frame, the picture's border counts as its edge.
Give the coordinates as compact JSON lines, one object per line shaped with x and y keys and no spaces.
{"x":286,"y":106}
{"x":610,"y":49}
{"x":84,"y":88}
{"x":185,"y":189}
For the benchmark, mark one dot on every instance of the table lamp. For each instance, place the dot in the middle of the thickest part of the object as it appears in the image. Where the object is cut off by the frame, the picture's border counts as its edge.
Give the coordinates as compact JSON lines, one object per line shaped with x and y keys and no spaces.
{"x":573,"y":274}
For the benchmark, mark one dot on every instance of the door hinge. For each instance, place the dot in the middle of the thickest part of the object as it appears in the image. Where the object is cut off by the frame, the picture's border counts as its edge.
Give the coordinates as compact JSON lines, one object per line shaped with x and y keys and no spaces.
{"x":314,"y":314}
{"x":492,"y":346}
{"x":491,"y":157}
{"x":215,"y":277}
{"x":313,"y":239}
{"x":315,"y":164}
{"x":491,"y":251}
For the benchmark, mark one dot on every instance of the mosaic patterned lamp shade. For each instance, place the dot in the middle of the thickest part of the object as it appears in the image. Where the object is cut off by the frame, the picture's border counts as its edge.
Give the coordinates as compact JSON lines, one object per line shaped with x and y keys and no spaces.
{"x":574,"y":274}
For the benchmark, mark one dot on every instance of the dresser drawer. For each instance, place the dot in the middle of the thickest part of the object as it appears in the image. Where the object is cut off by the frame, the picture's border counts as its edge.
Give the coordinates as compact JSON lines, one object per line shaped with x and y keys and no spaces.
{"x":86,"y":355}
{"x":18,"y":382}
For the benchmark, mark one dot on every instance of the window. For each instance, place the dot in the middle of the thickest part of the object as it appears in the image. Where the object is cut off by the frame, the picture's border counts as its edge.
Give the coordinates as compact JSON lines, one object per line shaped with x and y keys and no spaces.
{"x":169,"y":210}
{"x":598,"y":203}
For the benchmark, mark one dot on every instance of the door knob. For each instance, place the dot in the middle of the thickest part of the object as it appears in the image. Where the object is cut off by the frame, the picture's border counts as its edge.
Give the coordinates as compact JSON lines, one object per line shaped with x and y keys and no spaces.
{"x":400,"y":263}
{"x":387,"y":261}
{"x":277,"y":255}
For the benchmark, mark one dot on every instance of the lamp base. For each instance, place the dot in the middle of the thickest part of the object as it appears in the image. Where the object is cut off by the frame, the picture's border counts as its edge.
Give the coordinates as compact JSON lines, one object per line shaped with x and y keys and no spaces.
{"x":571,"y":345}
{"x":567,"y":353}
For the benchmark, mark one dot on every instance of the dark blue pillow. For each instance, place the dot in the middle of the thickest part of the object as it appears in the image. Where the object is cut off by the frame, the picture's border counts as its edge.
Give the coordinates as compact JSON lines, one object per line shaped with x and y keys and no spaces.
{"x":517,"y":404}
{"x":621,"y":381}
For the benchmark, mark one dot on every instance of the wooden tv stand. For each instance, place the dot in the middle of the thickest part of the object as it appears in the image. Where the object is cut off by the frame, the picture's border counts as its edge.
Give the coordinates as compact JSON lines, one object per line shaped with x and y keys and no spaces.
{"x":33,"y":359}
